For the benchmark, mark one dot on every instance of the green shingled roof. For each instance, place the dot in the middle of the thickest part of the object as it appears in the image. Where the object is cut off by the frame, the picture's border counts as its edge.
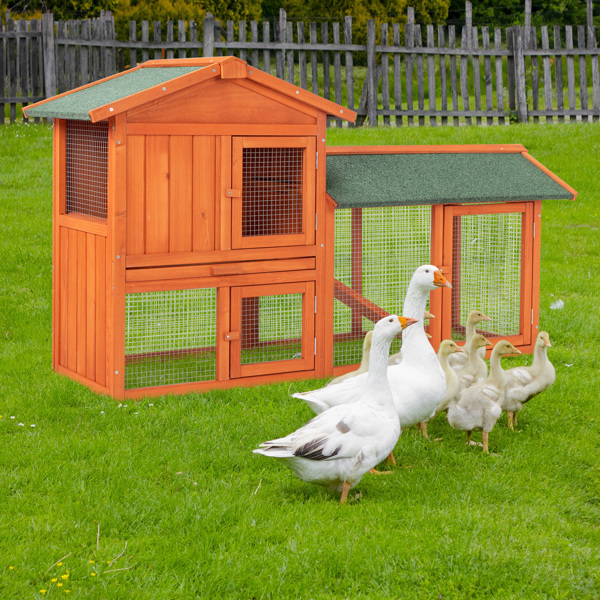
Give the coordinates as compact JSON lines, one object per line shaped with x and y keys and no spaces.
{"x":78,"y":104}
{"x":364,"y":180}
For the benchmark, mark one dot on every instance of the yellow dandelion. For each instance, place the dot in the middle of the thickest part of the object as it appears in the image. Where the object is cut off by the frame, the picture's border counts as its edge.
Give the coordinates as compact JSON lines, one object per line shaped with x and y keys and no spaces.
{"x":67,"y":591}
{"x":59,"y":564}
{"x":59,"y":584}
{"x":11,"y":568}
{"x":92,"y":574}
{"x":92,"y":562}
{"x":54,"y":580}
{"x":65,"y":576}
{"x":42,"y":591}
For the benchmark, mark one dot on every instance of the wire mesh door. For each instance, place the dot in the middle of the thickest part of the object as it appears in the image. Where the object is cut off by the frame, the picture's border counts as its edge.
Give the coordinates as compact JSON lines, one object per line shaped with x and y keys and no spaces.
{"x":273,"y":191}
{"x":491,"y":269}
{"x":272,"y":329}
{"x":376,"y":252}
{"x":170,"y":337}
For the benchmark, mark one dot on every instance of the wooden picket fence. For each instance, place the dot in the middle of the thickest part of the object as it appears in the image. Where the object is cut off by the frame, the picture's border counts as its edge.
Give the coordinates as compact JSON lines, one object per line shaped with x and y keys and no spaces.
{"x":405,"y":74}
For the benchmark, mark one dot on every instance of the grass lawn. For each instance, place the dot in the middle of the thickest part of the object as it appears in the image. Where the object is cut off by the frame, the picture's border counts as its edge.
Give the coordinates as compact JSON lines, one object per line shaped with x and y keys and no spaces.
{"x":163,"y":498}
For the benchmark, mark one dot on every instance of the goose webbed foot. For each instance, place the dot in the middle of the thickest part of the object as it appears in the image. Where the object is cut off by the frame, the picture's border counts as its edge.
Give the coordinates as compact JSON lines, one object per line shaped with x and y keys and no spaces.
{"x":376,"y":472}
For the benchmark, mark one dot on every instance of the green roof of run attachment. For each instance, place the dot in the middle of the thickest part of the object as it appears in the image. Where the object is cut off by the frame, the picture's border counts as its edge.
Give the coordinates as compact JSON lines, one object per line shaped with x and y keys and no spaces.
{"x":365,"y":180}
{"x":78,"y":104}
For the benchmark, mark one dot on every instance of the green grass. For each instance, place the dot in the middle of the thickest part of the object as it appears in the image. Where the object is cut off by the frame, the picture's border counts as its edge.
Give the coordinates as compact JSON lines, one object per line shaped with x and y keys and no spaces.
{"x":171,"y":488}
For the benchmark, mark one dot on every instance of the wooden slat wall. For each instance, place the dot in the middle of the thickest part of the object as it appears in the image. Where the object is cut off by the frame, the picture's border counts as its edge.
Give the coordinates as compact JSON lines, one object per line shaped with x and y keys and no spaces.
{"x":170,"y":194}
{"x":81,"y":329}
{"x":87,"y":50}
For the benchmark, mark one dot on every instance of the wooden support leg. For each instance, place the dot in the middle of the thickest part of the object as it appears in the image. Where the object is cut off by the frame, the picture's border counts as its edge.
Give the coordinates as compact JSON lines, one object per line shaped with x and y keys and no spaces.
{"x":484,"y":435}
{"x":510,"y":416}
{"x":345,"y":491}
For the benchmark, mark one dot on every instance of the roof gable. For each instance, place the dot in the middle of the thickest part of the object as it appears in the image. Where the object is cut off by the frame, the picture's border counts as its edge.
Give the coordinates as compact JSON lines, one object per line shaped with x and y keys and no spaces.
{"x":145,"y":83}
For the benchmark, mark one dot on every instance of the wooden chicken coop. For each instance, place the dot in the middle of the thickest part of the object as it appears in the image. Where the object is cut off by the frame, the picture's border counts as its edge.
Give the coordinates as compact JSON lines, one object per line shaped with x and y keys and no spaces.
{"x":204,"y":236}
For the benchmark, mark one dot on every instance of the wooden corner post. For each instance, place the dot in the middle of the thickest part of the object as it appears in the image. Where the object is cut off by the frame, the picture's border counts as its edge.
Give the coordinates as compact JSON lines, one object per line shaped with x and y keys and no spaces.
{"x":116,"y":250}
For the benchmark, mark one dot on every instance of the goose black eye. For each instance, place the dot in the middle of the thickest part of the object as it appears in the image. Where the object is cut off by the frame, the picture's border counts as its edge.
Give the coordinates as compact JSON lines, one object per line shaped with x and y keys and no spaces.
{"x":426,"y":270}
{"x":391,"y":320}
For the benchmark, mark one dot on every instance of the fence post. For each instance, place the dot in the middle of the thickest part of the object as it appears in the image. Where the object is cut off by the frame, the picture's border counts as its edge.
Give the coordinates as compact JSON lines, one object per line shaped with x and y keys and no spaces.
{"x":371,"y":74}
{"x":48,"y":55}
{"x":208,"y":35}
{"x":280,"y":35}
{"x":520,"y":82}
{"x":527,"y":23}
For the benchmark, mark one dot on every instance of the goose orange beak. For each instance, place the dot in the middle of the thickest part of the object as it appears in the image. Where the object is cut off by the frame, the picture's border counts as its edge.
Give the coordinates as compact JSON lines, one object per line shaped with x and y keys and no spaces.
{"x":407,"y":322}
{"x":485,"y":317}
{"x":440,"y":281}
{"x":547,"y":343}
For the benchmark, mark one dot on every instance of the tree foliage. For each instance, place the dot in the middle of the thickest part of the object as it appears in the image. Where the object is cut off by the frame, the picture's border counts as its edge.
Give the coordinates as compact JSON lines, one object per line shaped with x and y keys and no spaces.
{"x":512,"y":12}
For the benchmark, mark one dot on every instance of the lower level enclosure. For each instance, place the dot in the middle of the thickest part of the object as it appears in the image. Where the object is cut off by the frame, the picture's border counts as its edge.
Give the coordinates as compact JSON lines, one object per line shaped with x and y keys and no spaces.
{"x":171,"y":336}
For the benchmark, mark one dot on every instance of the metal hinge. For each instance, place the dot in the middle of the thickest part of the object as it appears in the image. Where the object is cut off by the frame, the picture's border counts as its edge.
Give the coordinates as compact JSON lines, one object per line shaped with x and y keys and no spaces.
{"x":315,"y":346}
{"x":315,"y":304}
{"x":316,"y":217}
{"x":532,"y":316}
{"x":534,"y":230}
{"x":316,"y":160}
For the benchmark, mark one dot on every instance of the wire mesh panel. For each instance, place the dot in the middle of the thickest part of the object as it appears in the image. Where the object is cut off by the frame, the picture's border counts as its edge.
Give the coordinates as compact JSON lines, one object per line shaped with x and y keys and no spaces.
{"x":170,"y":337}
{"x":272,"y":191}
{"x":271,"y":328}
{"x":87,"y":169}
{"x":486,"y":272}
{"x":376,"y":252}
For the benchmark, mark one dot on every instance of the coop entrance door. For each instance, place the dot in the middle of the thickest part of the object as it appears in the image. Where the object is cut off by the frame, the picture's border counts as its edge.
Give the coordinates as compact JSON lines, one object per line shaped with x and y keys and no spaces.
{"x":272,"y":329}
{"x":490,"y":251}
{"x":273,"y":191}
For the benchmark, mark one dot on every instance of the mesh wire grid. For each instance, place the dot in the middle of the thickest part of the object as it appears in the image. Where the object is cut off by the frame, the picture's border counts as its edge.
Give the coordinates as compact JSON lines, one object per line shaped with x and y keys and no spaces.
{"x":387,"y":244}
{"x":487,"y":272}
{"x":272,"y":191}
{"x":87,"y":169}
{"x":271,"y":328}
{"x":170,"y":337}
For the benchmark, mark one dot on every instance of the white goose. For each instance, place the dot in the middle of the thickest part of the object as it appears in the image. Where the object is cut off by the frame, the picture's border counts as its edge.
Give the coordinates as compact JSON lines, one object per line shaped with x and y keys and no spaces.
{"x":418,"y":383}
{"x":523,"y":383}
{"x":479,"y":406}
{"x":336,"y":448}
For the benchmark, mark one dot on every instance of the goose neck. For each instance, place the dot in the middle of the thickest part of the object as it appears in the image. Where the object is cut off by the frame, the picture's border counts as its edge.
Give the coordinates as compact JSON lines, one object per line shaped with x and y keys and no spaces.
{"x":415,"y":302}
{"x":496,"y":370}
{"x":378,"y":361}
